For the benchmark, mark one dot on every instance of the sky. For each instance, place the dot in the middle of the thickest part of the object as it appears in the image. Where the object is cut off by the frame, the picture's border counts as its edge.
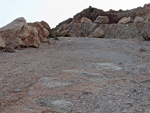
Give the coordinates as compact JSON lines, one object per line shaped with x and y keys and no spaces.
{"x":56,"y":11}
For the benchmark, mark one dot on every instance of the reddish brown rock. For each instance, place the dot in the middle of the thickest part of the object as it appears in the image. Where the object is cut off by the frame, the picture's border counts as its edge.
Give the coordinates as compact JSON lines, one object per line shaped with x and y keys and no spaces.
{"x":18,"y":33}
{"x":45,"y":25}
{"x":92,"y":15}
{"x":78,"y":25}
{"x":2,"y":43}
{"x":85,"y":20}
{"x":102,"y":20}
{"x":125,"y":20}
{"x":42,"y":32}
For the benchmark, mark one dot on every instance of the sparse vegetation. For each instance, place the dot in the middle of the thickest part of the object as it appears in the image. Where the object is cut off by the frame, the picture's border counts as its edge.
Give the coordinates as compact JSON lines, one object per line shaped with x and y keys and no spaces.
{"x":54,"y":34}
{"x":91,"y":9}
{"x":120,"y":10}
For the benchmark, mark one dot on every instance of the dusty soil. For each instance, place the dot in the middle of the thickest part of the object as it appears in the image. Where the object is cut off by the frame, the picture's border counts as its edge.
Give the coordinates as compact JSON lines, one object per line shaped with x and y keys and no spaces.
{"x":77,"y":75}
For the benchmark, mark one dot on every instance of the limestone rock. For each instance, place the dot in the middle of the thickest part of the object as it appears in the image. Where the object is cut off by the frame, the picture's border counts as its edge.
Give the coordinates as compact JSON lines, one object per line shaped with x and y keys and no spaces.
{"x":18,"y":33}
{"x":81,"y":29}
{"x":2,"y":43}
{"x":85,"y":20}
{"x":42,"y":32}
{"x":46,"y":26}
{"x":102,"y":20}
{"x":125,"y":20}
{"x":138,"y":19}
{"x":98,"y":33}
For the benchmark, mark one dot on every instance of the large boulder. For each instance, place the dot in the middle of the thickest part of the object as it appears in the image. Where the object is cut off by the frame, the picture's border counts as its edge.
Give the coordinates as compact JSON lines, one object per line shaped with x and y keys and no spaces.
{"x":81,"y":29}
{"x":85,"y":20}
{"x":42,"y":32}
{"x":138,"y":19}
{"x":2,"y":43}
{"x":125,"y":20}
{"x":102,"y":20}
{"x":18,"y":33}
{"x":46,"y":26}
{"x":98,"y":33}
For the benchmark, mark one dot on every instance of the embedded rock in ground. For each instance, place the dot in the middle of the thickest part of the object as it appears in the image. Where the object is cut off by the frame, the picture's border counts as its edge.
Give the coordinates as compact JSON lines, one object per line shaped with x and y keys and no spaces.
{"x":98,"y":33}
{"x":85,"y":20}
{"x":145,"y":34}
{"x":2,"y":43}
{"x":18,"y":33}
{"x":102,"y":20}
{"x":138,"y":19}
{"x":125,"y":20}
{"x":42,"y":32}
{"x":46,"y":26}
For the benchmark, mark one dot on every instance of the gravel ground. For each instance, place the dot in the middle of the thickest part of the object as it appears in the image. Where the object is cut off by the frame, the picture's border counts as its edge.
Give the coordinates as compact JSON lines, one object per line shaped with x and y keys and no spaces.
{"x":77,"y":75}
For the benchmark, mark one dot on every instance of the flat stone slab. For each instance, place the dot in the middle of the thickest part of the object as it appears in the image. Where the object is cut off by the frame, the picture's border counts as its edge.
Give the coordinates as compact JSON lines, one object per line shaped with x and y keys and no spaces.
{"x":50,"y":82}
{"x":105,"y":66}
{"x":62,"y":104}
{"x":77,"y":72}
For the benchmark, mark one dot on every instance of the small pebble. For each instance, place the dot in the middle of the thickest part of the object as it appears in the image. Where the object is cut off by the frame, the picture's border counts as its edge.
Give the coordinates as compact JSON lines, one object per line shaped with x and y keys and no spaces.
{"x":17,"y":90}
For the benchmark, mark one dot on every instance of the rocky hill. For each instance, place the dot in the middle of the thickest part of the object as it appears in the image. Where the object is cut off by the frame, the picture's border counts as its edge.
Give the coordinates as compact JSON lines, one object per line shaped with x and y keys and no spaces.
{"x":112,"y":24}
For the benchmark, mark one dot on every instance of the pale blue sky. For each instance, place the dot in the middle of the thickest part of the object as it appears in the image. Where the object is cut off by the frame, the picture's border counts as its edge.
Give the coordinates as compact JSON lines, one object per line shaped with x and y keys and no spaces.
{"x":55,"y":11}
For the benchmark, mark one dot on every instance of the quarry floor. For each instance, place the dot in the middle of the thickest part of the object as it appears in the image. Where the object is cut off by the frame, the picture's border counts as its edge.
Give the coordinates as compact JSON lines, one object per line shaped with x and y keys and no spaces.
{"x":77,"y":75}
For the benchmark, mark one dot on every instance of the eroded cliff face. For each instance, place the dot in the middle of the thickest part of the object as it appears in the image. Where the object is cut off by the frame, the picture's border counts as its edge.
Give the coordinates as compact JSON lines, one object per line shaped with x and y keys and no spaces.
{"x":119,"y":24}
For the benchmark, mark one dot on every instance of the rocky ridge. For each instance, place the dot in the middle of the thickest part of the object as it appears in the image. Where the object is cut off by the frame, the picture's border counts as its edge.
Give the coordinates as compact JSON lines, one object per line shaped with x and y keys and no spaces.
{"x":133,"y":23}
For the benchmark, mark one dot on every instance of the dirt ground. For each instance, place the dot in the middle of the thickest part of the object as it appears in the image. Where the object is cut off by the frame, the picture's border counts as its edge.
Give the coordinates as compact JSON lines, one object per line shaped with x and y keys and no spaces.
{"x":77,"y":75}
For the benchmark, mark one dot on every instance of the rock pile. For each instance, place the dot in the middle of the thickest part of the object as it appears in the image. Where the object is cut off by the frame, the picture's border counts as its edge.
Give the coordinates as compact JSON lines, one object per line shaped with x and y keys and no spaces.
{"x":133,"y":23}
{"x":20,"y":34}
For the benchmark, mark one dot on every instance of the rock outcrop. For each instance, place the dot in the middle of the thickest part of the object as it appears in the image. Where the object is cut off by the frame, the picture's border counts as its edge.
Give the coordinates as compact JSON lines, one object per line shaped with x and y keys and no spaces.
{"x":85,"y":20}
{"x":42,"y":32}
{"x":125,"y":20}
{"x":18,"y":33}
{"x":102,"y":20}
{"x":2,"y":43}
{"x":114,"y":16}
{"x":123,"y":31}
{"x":133,"y":23}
